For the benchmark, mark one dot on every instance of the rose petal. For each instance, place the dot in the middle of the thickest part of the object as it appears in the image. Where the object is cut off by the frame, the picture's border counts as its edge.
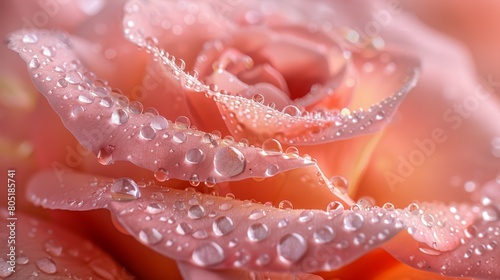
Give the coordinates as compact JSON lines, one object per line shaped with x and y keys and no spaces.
{"x":217,"y":232}
{"x":49,"y":251}
{"x":112,"y":128}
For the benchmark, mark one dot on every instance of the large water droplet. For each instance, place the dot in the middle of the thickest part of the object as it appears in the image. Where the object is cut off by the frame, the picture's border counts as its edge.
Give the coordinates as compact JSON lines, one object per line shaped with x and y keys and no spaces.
{"x":105,"y":156}
{"x":324,"y":234}
{"x":119,"y":117}
{"x":257,"y":232}
{"x":291,"y":110}
{"x":47,"y":265}
{"x":162,"y":175}
{"x":148,"y":133}
{"x":291,"y":247}
{"x":150,"y":236}
{"x":125,"y":189}
{"x":208,"y":254}
{"x":222,"y":225}
{"x":353,"y":221}
{"x":194,"y":156}
{"x":285,"y":204}
{"x":229,"y":161}
{"x":183,"y":122}
{"x":196,"y":211}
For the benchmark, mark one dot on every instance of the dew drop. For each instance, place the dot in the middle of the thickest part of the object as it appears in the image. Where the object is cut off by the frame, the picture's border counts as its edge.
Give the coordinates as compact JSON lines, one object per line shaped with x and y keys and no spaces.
{"x":208,"y":254}
{"x":229,"y":161}
{"x":47,"y":265}
{"x":136,"y":107}
{"x":306,"y":216}
{"x":222,"y":225}
{"x":291,"y":247}
{"x":106,"y":102}
{"x":182,"y":122}
{"x":125,"y":189}
{"x":259,"y":98}
{"x":388,"y":206}
{"x":53,"y":247}
{"x":119,"y":116}
{"x":225,"y":206}
{"x":272,"y":146}
{"x":263,"y":259}
{"x":49,"y":51}
{"x":379,"y":116}
{"x":194,"y":156}
{"x":272,"y":170}
{"x":200,"y":234}
{"x":147,"y":132}
{"x":413,"y":208}
{"x":62,"y":83}
{"x":30,"y":38}
{"x":324,"y":234}
{"x":257,"y":214}
{"x":34,"y":63}
{"x":73,"y":77}
{"x":285,"y":204}
{"x":159,"y":123}
{"x":489,"y":214}
{"x":179,"y":137}
{"x":334,"y":208}
{"x":292,"y":111}
{"x":104,"y":156}
{"x":196,"y":211}
{"x":257,"y":232}
{"x":86,"y":98}
{"x":339,"y":182}
{"x":154,"y":208}
{"x":427,"y":220}
{"x":353,"y":221}
{"x":184,"y":229}
{"x":76,"y":111}
{"x":150,"y":236}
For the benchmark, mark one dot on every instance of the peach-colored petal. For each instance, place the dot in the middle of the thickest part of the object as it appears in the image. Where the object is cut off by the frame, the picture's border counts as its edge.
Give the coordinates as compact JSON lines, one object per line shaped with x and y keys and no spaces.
{"x":114,"y":129}
{"x":38,"y":248}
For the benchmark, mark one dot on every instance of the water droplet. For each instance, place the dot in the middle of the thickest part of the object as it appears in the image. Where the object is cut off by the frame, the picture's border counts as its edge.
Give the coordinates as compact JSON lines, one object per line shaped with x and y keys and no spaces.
{"x":225,"y":206}
{"x":194,"y":180}
{"x":324,"y":234}
{"x":150,"y":236}
{"x":210,"y":182}
{"x":291,"y":110}
{"x":283,"y":223}
{"x":179,"y":137}
{"x":272,"y":146}
{"x":429,"y":251}
{"x":182,"y":122}
{"x":285,"y":204}
{"x":353,"y":221}
{"x":196,"y":211}
{"x":257,"y":214}
{"x":292,"y":152}
{"x":413,"y":208}
{"x":104,"y":156}
{"x":334,"y":208}
{"x":427,"y":220}
{"x":119,"y":117}
{"x":73,"y":77}
{"x":106,"y":102}
{"x":379,"y":116}
{"x":291,"y":247}
{"x":259,"y":98}
{"x":86,"y":98}
{"x":76,"y":111}
{"x":154,"y":208}
{"x":183,"y":228}
{"x":257,"y":232}
{"x":489,"y":214}
{"x":159,"y":123}
{"x":222,"y":225}
{"x":194,"y":156}
{"x":34,"y":63}
{"x":306,"y":216}
{"x":208,"y":254}
{"x":136,"y":107}
{"x":53,"y":247}
{"x":125,"y":189}
{"x":339,"y":182}
{"x":200,"y":234}
{"x":263,"y":259}
{"x":47,"y":265}
{"x":229,"y":161}
{"x":272,"y":170}
{"x":30,"y":38}
{"x":49,"y":51}
{"x":147,"y":132}
{"x":388,"y":206}
{"x":62,"y":83}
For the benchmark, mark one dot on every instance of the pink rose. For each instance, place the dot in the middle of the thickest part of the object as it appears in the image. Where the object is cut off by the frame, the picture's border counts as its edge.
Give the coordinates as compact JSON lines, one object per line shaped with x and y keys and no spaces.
{"x":211,"y":177}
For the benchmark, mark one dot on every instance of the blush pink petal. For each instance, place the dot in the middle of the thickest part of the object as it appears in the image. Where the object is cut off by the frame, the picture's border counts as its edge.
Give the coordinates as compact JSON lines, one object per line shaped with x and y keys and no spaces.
{"x":109,"y":126}
{"x":51,"y":252}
